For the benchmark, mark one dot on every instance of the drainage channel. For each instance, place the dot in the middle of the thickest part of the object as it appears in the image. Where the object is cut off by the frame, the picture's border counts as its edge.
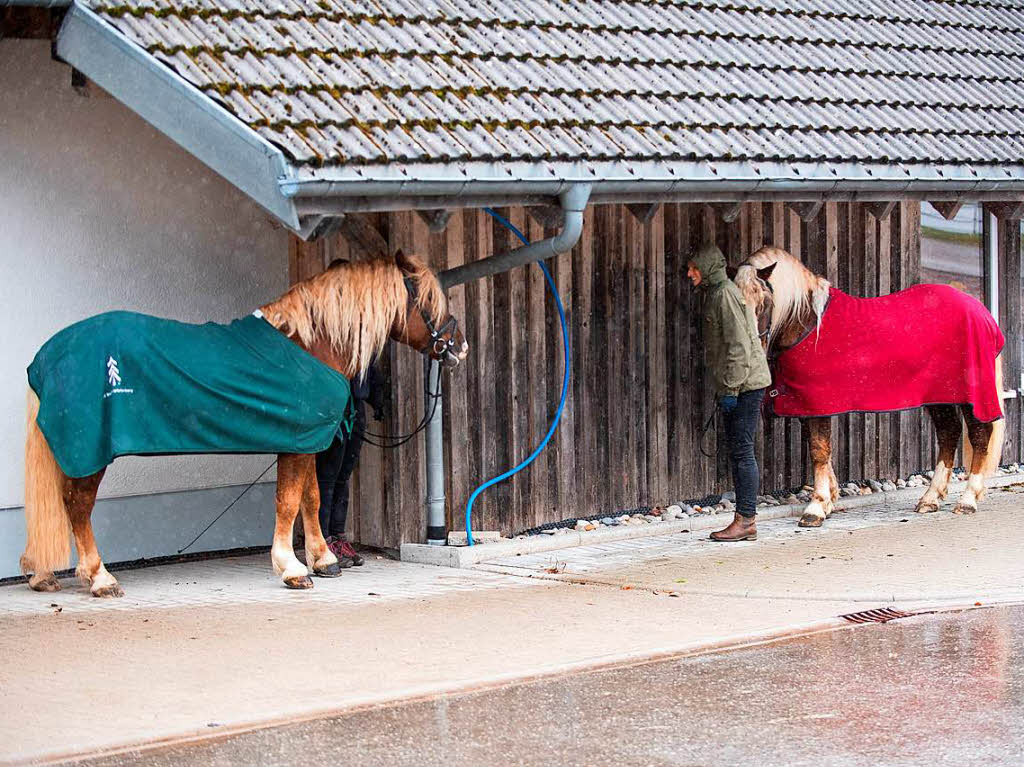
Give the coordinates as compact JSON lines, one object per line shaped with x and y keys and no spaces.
{"x":881,"y":615}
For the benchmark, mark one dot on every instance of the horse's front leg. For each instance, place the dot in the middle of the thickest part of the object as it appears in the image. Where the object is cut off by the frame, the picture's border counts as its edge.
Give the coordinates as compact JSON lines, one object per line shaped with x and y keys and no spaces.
{"x":825,"y":488}
{"x":292,"y":471}
{"x":318,"y":556}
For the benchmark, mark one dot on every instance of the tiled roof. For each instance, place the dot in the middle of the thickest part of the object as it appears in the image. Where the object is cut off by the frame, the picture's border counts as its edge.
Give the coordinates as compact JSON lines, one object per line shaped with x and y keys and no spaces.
{"x":371,"y":82}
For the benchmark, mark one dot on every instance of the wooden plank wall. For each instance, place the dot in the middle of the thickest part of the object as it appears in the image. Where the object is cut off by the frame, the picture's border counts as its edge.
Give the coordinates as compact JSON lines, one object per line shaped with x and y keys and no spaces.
{"x":1010,"y":303}
{"x":632,"y":433}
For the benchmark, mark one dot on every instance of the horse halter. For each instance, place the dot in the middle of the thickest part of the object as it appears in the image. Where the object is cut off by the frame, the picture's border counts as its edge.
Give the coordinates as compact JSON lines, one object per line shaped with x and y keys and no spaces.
{"x":440,"y":345}
{"x":442,"y":338}
{"x":768,"y":326}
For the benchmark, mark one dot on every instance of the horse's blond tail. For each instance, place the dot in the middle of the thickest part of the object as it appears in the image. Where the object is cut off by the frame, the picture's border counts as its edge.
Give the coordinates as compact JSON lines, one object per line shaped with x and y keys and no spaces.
{"x":46,"y":519}
{"x":995,"y":442}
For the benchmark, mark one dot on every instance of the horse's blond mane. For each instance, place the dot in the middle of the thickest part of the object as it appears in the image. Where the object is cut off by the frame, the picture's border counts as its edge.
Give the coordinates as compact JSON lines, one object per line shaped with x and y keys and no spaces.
{"x":798,"y":295}
{"x":353,"y":306}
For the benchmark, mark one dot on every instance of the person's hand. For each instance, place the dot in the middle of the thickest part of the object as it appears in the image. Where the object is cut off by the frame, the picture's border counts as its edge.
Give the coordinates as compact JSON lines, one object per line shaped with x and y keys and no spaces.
{"x":728,"y":403}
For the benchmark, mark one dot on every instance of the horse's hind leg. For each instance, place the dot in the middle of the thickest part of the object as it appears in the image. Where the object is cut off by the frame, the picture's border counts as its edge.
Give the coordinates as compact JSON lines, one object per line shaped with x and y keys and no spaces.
{"x":79,"y":499}
{"x":291,"y":481}
{"x":979,"y":435}
{"x":833,"y":483}
{"x":318,"y":556}
{"x":948,"y":428}
{"x":825,"y":485}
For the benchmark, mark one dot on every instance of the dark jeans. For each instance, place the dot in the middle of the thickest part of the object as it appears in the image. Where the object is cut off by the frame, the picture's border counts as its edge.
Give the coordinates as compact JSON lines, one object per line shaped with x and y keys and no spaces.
{"x":333,"y":469}
{"x":740,"y":425}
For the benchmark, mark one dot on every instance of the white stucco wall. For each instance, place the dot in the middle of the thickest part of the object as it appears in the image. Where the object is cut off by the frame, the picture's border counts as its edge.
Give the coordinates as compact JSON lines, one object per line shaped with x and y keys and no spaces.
{"x":99,"y":211}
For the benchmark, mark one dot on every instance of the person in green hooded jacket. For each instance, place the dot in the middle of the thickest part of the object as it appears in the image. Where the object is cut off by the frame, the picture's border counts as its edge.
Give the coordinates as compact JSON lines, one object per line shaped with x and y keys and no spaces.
{"x":740,"y":375}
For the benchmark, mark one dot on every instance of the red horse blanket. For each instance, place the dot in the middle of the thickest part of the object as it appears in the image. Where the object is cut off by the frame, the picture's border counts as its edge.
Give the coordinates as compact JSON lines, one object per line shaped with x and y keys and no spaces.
{"x":927,"y":345}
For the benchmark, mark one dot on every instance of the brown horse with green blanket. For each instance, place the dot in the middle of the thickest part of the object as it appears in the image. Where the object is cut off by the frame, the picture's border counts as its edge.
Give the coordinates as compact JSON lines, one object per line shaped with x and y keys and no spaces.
{"x":275,"y":382}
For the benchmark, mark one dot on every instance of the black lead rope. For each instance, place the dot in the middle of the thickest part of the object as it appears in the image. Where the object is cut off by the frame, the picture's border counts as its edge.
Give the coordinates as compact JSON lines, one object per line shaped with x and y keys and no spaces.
{"x":237,"y":499}
{"x":704,"y":433}
{"x":441,"y":345}
{"x":433,"y":396}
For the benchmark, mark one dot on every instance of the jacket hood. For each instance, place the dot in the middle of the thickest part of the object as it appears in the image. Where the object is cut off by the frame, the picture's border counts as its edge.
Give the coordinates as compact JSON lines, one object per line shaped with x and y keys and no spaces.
{"x":711,"y":263}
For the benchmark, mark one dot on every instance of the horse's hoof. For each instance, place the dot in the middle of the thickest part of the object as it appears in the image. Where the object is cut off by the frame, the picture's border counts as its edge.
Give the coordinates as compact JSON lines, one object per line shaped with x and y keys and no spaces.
{"x":109,"y":592}
{"x":49,"y":583}
{"x":332,"y":570}
{"x":298,"y":582}
{"x":962,"y":509}
{"x":926,"y":508}
{"x":809,"y":520}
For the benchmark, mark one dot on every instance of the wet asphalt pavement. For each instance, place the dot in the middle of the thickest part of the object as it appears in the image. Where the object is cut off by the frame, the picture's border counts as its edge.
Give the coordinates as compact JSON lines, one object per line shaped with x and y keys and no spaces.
{"x":928,"y":690}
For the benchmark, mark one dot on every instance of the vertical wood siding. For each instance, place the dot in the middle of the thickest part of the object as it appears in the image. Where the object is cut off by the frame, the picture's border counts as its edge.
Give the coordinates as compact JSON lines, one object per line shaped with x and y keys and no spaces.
{"x":1010,"y":287}
{"x":632,"y":431}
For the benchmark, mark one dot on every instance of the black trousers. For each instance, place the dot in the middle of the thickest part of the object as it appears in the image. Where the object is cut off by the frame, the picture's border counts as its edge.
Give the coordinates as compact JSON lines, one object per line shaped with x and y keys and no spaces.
{"x":334,"y":467}
{"x":740,"y":426}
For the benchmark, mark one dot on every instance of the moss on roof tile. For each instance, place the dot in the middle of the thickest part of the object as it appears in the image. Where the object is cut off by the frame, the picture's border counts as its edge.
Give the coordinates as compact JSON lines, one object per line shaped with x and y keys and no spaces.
{"x":818,"y":68}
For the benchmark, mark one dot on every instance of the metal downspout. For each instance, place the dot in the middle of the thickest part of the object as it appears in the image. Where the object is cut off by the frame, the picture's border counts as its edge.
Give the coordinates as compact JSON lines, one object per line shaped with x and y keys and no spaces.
{"x":991,"y":230}
{"x":437,"y":528}
{"x":573,"y":201}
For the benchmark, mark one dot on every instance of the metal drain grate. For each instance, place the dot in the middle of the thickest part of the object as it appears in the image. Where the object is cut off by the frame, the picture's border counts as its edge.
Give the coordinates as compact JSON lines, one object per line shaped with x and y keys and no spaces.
{"x":881,"y":615}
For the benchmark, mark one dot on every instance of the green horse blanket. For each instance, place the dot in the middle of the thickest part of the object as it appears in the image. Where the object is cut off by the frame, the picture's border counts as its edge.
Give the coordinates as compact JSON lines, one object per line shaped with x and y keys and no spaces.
{"x":129,"y":384}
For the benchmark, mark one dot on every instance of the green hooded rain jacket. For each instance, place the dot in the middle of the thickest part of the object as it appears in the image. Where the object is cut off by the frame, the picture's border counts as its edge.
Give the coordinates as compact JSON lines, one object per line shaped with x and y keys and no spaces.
{"x":735,"y":357}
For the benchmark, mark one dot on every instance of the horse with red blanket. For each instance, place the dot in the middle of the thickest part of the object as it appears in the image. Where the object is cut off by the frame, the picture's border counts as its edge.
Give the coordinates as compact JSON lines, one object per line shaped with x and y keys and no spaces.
{"x":929,"y":346}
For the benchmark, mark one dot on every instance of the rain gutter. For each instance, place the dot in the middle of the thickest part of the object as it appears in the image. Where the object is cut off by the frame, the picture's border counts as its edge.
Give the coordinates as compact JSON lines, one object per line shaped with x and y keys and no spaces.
{"x":573,"y":200}
{"x":326,"y":207}
{"x":336,"y":185}
{"x":177,"y":109}
{"x":330,"y":198}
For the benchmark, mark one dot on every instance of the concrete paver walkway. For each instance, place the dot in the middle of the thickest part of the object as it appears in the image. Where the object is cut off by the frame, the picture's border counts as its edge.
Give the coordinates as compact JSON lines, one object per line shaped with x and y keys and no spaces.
{"x":205,"y":648}
{"x":872,"y":555}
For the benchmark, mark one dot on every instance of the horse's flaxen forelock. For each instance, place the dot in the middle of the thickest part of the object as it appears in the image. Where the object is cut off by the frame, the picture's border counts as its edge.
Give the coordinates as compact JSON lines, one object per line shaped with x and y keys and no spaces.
{"x":798,"y":295}
{"x":353,"y":306}
{"x":752,"y":287}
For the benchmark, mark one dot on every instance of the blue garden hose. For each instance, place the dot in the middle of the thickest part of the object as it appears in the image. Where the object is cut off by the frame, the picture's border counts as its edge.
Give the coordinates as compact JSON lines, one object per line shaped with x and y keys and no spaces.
{"x":565,"y":383}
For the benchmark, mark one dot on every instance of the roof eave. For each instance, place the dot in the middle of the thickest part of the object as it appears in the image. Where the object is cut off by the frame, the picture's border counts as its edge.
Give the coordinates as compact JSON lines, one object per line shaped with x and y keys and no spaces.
{"x":331,"y":191}
{"x":38,"y":3}
{"x":177,"y":109}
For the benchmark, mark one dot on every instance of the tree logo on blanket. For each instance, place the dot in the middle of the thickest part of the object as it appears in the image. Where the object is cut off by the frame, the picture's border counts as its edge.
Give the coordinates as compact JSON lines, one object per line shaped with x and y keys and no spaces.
{"x":114,"y":379}
{"x":113,"y":374}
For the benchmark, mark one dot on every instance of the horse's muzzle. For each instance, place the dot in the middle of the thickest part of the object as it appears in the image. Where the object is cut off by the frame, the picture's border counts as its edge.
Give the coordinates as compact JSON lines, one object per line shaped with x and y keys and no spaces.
{"x":452,"y":359}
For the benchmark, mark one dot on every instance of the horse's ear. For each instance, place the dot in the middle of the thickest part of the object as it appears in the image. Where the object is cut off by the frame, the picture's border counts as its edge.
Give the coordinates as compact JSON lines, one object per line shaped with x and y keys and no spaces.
{"x":765,"y":273}
{"x":731,"y":271}
{"x":404,"y":262}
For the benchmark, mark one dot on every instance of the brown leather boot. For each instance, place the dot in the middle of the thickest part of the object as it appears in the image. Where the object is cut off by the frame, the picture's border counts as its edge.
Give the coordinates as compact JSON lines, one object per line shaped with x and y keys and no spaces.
{"x":740,"y":529}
